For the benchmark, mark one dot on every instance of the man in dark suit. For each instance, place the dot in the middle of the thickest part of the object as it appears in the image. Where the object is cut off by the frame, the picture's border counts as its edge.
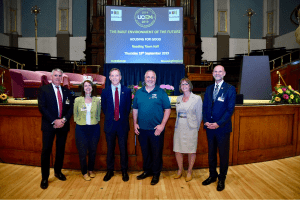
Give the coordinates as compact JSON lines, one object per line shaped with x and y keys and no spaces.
{"x":116,"y":105}
{"x":56,"y":105}
{"x":218,"y":107}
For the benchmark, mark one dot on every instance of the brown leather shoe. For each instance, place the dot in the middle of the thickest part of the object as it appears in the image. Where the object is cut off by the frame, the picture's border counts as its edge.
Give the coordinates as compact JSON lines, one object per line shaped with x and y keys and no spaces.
{"x":177,"y":176}
{"x":189,"y":177}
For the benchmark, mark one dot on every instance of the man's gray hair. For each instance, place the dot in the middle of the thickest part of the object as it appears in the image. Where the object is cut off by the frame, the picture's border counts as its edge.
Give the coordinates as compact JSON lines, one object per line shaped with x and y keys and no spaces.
{"x":57,"y":69}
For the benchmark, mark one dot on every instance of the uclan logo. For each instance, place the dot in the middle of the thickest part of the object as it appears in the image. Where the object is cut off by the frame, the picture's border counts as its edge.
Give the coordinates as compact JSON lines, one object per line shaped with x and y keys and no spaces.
{"x":145,"y":16}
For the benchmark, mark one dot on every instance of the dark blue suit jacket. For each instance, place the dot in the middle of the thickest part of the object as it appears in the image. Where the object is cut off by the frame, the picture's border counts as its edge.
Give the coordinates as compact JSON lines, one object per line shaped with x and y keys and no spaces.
{"x":107,"y":106}
{"x":48,"y":107}
{"x":220,"y":111}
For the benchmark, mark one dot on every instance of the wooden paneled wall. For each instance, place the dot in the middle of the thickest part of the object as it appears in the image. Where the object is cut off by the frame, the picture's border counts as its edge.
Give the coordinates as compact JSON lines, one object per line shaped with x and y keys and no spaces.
{"x":260,"y":133}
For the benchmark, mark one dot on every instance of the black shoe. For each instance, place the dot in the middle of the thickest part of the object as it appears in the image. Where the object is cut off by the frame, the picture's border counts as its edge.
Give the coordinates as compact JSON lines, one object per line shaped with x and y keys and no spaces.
{"x":209,"y":180}
{"x":221,"y":185}
{"x":155,"y":180}
{"x":108,"y":176}
{"x":125,"y":176}
{"x":60,"y":176}
{"x":44,"y":184}
{"x":143,"y":175}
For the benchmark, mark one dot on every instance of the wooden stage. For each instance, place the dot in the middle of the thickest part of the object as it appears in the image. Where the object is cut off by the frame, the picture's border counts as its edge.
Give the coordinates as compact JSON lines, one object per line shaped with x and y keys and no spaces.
{"x":278,"y":179}
{"x":260,"y":133}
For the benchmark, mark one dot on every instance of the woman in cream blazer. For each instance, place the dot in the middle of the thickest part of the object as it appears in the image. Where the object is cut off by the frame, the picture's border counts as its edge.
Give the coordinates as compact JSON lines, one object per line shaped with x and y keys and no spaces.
{"x":87,"y":110}
{"x":189,"y":117}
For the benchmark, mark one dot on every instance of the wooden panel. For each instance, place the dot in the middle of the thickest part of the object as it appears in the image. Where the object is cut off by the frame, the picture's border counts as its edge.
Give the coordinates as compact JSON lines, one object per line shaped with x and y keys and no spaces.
{"x":22,"y":157}
{"x":265,"y":133}
{"x":254,"y":129}
{"x":259,"y":133}
{"x":298,"y":134}
{"x":260,"y":155}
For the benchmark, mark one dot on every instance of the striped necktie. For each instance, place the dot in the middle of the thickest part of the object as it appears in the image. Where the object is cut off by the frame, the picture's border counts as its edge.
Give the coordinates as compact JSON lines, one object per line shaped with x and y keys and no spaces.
{"x":215,"y":94}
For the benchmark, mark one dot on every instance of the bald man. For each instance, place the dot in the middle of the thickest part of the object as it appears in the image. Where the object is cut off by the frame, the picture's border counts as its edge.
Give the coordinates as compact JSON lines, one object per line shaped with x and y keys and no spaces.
{"x":218,"y":107}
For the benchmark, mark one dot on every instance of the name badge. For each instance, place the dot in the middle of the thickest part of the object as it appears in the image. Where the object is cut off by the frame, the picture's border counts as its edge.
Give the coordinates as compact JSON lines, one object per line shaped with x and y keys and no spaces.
{"x":83,"y":109}
{"x":154,"y":96}
{"x":67,"y":101}
{"x":221,"y":98}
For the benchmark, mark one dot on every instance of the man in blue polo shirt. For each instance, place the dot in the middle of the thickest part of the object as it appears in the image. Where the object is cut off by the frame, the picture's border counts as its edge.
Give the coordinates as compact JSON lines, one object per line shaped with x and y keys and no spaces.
{"x":151,"y":111}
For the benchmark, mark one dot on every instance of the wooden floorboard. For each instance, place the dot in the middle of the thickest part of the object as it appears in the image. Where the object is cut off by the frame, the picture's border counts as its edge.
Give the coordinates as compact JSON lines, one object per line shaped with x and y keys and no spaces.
{"x":278,"y":179}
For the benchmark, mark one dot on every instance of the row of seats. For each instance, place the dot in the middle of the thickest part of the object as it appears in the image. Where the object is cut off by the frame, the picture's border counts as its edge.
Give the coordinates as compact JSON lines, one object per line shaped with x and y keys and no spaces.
{"x":25,"y":83}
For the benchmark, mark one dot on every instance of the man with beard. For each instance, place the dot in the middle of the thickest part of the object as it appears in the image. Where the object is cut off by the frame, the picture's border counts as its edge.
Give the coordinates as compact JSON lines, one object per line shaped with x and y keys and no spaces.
{"x":151,"y":111}
{"x":218,"y":107}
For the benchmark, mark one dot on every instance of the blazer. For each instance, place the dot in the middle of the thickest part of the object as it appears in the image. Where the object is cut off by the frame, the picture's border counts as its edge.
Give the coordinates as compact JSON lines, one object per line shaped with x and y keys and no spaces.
{"x":49,"y":109}
{"x":194,"y":112}
{"x":222,"y":109}
{"x":80,"y":115}
{"x":107,"y":106}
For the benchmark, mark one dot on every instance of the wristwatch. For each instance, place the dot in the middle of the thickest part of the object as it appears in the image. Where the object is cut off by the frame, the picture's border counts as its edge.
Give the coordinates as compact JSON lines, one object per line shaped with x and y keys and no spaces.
{"x":64,"y":119}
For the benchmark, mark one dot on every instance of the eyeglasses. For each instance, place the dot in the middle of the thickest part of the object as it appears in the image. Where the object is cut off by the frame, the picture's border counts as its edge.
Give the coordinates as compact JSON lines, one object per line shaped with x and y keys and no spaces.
{"x":184,"y":83}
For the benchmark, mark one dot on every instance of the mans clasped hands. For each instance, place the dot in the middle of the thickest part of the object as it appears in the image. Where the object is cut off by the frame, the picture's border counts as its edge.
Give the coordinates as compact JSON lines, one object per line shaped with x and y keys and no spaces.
{"x":58,"y":123}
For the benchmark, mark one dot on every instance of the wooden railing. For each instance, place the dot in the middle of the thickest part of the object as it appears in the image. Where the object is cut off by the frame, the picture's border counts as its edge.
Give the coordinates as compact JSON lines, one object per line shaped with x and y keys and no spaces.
{"x":84,"y":68}
{"x":199,"y":66}
{"x":284,"y":56}
{"x":1,"y":76}
{"x":9,"y":60}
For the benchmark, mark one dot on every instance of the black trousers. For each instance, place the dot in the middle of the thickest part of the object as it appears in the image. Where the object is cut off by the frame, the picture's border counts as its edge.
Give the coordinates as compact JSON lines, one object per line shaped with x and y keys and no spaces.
{"x":152,"y":148}
{"x":87,"y":138}
{"x":48,"y":138}
{"x":218,"y":141}
{"x":122,"y":135}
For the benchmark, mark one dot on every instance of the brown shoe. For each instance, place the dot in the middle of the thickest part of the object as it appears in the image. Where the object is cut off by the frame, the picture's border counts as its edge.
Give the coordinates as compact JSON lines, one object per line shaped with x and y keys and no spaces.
{"x":177,"y":176}
{"x":188,"y":178}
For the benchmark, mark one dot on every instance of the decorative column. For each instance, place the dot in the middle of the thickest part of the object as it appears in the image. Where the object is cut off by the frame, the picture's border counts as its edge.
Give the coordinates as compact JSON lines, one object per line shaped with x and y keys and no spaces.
{"x":35,"y":10}
{"x":249,"y":13}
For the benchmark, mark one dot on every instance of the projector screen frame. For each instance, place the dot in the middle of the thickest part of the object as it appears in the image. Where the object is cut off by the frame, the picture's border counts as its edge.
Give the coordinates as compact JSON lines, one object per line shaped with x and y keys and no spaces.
{"x":138,"y":7}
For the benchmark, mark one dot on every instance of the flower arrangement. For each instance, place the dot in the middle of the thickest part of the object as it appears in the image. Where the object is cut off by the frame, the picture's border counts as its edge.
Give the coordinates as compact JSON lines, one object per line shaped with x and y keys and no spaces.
{"x":135,"y":88}
{"x":286,"y":94}
{"x":3,"y":96}
{"x":168,"y":88}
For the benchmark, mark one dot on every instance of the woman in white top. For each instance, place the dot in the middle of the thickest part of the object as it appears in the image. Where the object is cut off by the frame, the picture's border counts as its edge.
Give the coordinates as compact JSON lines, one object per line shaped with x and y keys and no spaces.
{"x":87,"y":110}
{"x":189,"y":117}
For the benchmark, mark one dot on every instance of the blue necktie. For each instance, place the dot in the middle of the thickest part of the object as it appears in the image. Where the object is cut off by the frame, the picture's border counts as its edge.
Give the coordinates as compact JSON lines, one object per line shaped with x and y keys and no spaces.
{"x":215,"y":94}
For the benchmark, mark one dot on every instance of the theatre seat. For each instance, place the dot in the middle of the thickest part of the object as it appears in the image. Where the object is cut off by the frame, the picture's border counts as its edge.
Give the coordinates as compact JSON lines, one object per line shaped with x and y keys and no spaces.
{"x":25,"y":83}
{"x":75,"y":79}
{"x":65,"y":80}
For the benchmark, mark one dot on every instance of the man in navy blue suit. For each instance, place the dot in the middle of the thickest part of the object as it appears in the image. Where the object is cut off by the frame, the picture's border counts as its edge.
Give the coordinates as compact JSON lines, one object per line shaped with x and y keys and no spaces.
{"x":218,"y":107}
{"x":116,"y":105}
{"x":56,"y":105}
